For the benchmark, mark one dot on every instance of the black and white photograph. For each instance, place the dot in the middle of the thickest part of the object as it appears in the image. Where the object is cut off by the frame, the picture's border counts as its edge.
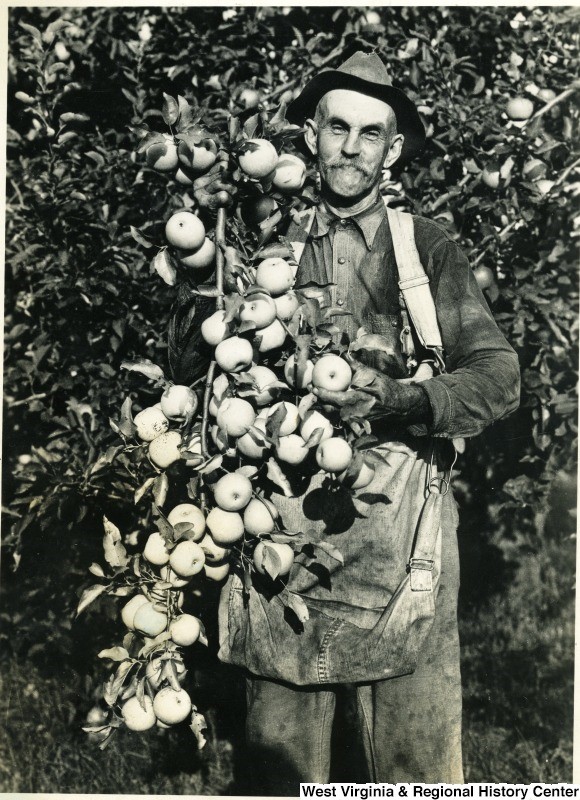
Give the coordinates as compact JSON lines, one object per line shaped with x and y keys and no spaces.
{"x":290,"y":397}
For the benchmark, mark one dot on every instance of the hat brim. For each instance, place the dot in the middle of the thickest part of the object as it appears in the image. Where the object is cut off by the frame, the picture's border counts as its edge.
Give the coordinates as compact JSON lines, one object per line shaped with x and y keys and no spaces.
{"x":408,"y":119}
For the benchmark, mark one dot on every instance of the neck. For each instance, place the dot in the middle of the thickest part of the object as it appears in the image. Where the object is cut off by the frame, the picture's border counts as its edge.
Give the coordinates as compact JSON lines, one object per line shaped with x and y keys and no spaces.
{"x":345,"y":207}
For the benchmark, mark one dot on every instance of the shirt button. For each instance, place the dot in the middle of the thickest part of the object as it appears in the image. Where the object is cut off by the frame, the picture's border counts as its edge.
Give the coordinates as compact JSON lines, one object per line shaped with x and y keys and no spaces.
{"x":341,"y":260}
{"x":394,"y":323}
{"x":340,"y":301}
{"x":342,"y":223}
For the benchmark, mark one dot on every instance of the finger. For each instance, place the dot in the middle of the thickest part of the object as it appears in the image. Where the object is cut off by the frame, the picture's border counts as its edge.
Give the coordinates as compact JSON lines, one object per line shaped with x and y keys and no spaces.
{"x":330,"y":396}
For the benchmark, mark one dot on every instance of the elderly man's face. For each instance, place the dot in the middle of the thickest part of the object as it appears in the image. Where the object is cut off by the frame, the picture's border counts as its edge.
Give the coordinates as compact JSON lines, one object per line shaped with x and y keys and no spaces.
{"x":354,"y":137}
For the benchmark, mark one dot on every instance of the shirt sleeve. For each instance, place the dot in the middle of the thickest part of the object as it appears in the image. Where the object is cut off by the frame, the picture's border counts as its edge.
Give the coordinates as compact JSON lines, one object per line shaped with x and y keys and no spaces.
{"x":482,"y":383}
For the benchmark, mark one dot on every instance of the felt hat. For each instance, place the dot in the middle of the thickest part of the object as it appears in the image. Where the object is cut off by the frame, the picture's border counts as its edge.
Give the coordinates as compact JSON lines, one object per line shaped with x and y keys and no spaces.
{"x":367,"y":74}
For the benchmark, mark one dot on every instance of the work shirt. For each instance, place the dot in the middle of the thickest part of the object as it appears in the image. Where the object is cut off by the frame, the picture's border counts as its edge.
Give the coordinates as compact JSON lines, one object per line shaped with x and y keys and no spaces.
{"x":482,"y":383}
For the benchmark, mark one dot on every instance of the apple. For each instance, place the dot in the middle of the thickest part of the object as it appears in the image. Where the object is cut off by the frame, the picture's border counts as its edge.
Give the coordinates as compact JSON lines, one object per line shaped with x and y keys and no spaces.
{"x":547,"y":95}
{"x":253,"y":212}
{"x":495,"y":175}
{"x":179,"y":402}
{"x":258,"y":520}
{"x":214,"y":329}
{"x":171,"y":706}
{"x":289,"y":173}
{"x":199,"y":157}
{"x":214,"y":553}
{"x":283,"y":551}
{"x":220,"y":386}
{"x":234,"y":354}
{"x":162,"y":156}
{"x":235,"y":416}
{"x":164,"y":450}
{"x":155,"y":550}
{"x":544,"y":186}
{"x":286,"y":305}
{"x":534,"y":169}
{"x":332,"y":372}
{"x":169,"y":576}
{"x":187,"y":559}
{"x":363,"y":478}
{"x":290,"y":422}
{"x":185,"y":630}
{"x":149,"y":621}
{"x":291,"y":449}
{"x":314,"y":420}
{"x":251,"y":444}
{"x":484,"y":277}
{"x":183,"y":178}
{"x":187,"y":512}
{"x":289,"y":373}
{"x":258,"y":159}
{"x":276,"y":275}
{"x":150,"y":422}
{"x":249,"y":98}
{"x":130,"y":609}
{"x":226,"y":527}
{"x":519,"y":108}
{"x":333,"y":455}
{"x":258,"y":308}
{"x":185,"y":231}
{"x":200,"y":259}
{"x":271,"y":337}
{"x":264,"y":378}
{"x":216,"y":573}
{"x":233,"y":491}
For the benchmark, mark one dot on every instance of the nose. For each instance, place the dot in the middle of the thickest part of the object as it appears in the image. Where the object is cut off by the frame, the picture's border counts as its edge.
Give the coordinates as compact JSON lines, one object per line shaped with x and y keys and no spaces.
{"x":351,"y":145}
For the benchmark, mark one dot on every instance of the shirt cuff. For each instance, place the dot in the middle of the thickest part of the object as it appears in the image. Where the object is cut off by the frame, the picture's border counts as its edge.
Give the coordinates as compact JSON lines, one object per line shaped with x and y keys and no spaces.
{"x":441,"y":407}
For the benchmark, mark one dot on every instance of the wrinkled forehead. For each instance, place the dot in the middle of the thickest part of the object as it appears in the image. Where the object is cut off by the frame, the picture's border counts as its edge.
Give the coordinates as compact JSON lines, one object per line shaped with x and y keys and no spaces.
{"x":355,"y":107}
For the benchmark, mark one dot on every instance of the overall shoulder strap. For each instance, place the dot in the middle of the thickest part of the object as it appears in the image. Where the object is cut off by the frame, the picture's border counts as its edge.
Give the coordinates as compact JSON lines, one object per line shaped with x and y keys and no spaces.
{"x":414,"y":283}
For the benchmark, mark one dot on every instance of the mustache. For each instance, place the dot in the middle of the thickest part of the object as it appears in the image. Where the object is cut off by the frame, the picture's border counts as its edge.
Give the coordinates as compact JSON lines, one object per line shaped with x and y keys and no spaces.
{"x":346,"y":163}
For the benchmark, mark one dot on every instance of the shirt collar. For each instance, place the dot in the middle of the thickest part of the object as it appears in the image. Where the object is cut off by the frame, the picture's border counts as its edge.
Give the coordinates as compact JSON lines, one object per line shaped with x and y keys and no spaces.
{"x":367,"y":221}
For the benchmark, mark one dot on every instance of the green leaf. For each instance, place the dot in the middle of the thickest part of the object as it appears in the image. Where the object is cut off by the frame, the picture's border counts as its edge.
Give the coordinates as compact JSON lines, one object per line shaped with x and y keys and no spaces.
{"x":332,"y":551}
{"x":170,"y":110}
{"x":115,"y":553}
{"x":198,"y":725}
{"x":160,"y":489}
{"x":143,"y":489}
{"x":298,"y":606}
{"x":32,"y":30}
{"x":163,"y":266}
{"x":276,"y":475}
{"x":114,"y":653}
{"x":270,"y":562}
{"x":89,"y":595}
{"x":140,"y":237}
{"x":145,"y":367}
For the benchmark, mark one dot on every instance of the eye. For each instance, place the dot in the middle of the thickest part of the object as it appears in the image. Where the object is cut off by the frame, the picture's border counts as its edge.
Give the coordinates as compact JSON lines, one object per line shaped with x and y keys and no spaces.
{"x":372,"y":135}
{"x":337,"y":128}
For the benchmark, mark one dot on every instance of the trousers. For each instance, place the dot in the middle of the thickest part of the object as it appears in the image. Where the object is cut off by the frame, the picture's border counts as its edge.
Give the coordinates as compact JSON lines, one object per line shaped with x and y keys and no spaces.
{"x":410,"y":725}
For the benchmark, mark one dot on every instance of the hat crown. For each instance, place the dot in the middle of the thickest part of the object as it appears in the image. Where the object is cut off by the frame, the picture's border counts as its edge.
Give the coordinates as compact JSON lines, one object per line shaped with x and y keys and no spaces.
{"x":367,"y":66}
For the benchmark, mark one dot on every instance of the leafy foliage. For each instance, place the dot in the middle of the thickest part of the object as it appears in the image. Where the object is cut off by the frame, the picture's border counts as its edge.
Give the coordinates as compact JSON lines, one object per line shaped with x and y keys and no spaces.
{"x":82,"y":205}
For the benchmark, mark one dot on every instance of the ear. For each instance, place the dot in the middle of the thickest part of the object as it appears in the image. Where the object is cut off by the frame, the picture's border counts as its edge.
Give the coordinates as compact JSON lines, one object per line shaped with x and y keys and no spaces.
{"x":310,"y":136}
{"x":394,"y":150}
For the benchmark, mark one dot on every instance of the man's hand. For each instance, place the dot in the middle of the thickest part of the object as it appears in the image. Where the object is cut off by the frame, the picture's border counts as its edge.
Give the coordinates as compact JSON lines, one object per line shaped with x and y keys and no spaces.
{"x":214,"y":190}
{"x":408,"y":403}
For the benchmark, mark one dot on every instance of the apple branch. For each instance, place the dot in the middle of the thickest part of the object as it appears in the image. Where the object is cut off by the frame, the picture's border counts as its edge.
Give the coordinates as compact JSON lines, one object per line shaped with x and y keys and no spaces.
{"x":574,"y":87}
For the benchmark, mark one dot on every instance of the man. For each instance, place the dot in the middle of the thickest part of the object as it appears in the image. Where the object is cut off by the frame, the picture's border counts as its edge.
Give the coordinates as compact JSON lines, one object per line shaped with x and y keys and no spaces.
{"x":357,"y":124}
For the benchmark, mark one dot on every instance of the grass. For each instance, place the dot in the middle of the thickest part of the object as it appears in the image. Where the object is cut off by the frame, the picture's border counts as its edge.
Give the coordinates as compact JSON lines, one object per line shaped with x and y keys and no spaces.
{"x":43,"y":749}
{"x":517,"y":663}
